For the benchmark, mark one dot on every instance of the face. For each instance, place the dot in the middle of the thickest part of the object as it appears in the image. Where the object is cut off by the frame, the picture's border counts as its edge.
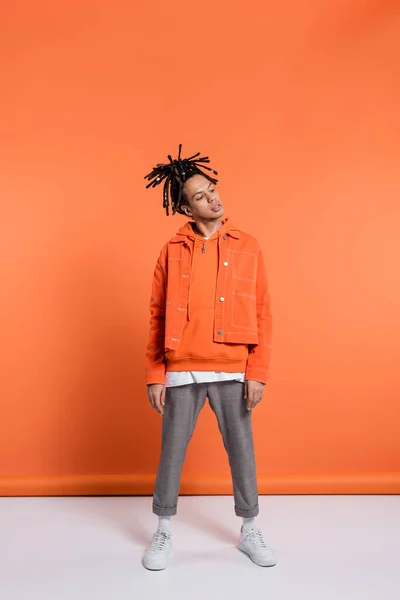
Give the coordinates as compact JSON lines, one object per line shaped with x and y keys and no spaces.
{"x":202,"y":199}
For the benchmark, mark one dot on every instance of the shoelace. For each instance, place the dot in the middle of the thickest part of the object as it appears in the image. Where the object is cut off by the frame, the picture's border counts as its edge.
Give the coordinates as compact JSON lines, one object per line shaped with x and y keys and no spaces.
{"x":256,"y":538}
{"x":159,"y":541}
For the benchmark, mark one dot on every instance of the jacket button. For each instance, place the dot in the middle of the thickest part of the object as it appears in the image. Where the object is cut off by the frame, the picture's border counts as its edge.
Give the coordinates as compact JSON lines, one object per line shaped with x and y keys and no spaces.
{"x":224,"y":237}
{"x":222,"y":299}
{"x":220,"y":332}
{"x":225,"y":264}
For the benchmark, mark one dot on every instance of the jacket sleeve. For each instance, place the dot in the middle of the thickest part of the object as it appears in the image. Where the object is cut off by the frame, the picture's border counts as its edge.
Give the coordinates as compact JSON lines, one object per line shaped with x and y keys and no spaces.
{"x":260,"y":355}
{"x":155,"y":352}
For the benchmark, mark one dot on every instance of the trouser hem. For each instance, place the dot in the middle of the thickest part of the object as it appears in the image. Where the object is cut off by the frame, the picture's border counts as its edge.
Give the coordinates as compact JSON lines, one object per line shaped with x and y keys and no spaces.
{"x":169,"y":511}
{"x":247,"y":514}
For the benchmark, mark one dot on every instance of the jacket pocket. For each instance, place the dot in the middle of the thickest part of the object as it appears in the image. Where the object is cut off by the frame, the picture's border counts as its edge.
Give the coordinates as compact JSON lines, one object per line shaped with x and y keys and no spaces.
{"x":244,"y":266}
{"x":244,"y":311}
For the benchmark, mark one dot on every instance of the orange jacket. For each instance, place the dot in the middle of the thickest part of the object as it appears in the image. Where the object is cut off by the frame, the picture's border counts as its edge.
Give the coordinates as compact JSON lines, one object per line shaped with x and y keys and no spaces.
{"x":242,"y":307}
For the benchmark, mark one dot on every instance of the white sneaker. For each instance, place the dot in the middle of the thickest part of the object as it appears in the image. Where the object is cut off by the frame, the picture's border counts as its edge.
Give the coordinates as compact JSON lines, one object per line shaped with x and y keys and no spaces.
{"x":251,"y":542}
{"x":157,"y":555}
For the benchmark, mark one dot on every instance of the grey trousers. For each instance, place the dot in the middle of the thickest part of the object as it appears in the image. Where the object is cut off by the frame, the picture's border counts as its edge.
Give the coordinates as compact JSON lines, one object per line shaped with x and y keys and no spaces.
{"x":182,"y":408}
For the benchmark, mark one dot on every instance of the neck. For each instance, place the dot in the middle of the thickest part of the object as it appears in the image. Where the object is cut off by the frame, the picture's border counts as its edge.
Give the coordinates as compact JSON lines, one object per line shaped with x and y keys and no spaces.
{"x":207,"y":228}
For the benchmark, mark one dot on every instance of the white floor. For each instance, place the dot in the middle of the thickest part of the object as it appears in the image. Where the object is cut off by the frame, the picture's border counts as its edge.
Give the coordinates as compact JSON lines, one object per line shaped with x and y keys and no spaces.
{"x":328,"y":547}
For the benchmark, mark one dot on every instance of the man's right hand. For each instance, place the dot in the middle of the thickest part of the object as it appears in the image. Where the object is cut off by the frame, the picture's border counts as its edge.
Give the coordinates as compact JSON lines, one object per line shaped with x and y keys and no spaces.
{"x":156,"y":394}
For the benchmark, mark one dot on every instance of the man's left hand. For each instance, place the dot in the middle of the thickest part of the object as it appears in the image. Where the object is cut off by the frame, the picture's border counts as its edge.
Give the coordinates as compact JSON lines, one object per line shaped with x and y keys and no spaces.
{"x":254,"y":391}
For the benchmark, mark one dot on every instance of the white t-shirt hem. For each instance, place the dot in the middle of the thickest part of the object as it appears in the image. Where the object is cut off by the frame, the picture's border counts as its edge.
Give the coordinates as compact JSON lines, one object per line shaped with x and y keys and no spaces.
{"x":177,"y":378}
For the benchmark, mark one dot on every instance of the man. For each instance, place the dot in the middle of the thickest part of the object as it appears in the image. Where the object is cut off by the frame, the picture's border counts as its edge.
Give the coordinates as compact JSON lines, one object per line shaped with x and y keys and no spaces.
{"x":210,"y":331}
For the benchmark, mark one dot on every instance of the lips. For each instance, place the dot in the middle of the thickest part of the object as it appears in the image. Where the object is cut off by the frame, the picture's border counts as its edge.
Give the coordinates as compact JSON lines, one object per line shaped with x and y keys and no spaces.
{"x":217,"y":207}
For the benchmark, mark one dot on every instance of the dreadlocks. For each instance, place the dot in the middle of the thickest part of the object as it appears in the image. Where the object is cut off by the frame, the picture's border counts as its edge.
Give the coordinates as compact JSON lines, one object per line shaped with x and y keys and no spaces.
{"x":174,"y":174}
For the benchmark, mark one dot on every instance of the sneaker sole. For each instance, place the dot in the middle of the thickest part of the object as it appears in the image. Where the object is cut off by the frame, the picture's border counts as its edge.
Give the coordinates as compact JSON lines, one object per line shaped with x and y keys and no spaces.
{"x":161,"y":566}
{"x":266,"y":563}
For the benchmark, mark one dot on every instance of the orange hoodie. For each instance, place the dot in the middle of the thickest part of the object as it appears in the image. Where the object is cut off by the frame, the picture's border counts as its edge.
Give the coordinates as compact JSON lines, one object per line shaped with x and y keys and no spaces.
{"x":197,"y":350}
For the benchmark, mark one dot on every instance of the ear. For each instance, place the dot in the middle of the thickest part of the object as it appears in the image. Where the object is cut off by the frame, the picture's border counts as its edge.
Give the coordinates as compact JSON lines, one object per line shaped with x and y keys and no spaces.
{"x":187,"y":211}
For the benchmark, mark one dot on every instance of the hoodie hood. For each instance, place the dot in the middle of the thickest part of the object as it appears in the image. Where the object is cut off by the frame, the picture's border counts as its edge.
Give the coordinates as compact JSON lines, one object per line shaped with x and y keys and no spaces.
{"x":187,"y":232}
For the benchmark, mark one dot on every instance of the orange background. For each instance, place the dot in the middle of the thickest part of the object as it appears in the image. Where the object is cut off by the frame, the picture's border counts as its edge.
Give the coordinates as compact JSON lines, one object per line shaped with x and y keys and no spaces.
{"x":297,"y":103}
